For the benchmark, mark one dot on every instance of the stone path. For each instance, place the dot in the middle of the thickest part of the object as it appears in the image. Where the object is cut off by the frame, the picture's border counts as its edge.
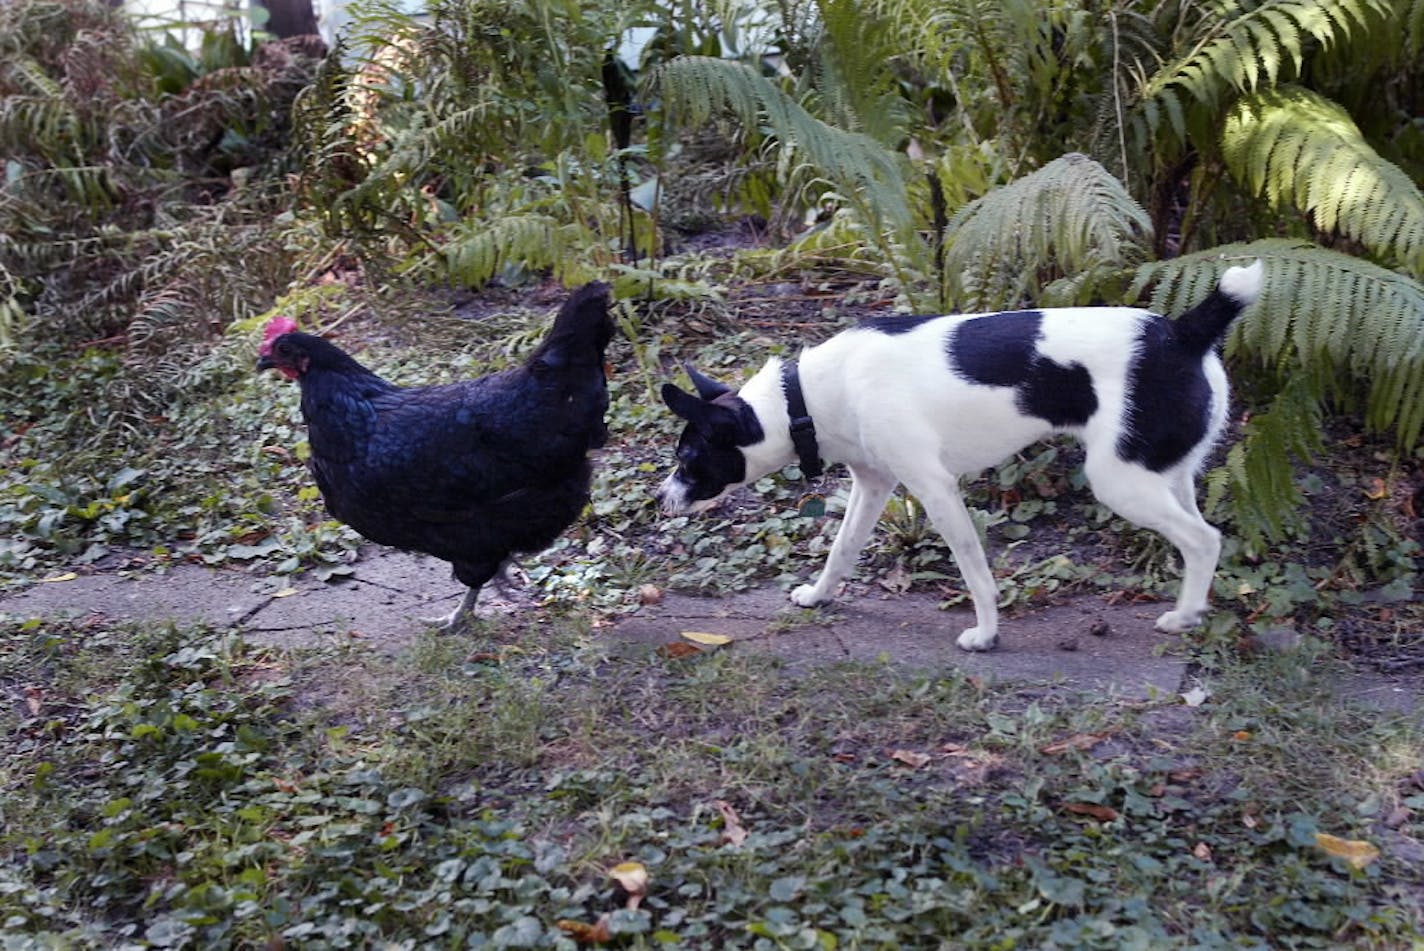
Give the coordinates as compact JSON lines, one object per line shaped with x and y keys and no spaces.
{"x":1081,"y":643}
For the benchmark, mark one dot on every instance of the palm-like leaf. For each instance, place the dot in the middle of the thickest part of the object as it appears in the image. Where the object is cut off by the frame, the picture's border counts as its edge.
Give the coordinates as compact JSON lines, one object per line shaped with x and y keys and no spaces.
{"x":1303,"y":151}
{"x":1323,"y":315}
{"x":693,"y":89}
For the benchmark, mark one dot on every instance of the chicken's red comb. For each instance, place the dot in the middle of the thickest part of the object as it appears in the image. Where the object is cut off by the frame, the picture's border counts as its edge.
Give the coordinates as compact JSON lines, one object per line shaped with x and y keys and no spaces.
{"x":275,"y":328}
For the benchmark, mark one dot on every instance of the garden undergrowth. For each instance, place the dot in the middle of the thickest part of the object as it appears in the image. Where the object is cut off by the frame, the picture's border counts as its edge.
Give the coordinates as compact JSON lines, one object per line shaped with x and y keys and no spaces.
{"x":178,"y":787}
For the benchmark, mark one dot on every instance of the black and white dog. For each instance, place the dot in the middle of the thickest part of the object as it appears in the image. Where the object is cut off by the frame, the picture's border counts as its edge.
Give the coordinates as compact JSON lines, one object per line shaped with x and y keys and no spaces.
{"x":923,"y":400}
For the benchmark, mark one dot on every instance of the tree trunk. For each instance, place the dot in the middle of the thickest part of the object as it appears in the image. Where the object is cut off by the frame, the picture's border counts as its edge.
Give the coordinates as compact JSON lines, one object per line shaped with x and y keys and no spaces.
{"x":287,"y":18}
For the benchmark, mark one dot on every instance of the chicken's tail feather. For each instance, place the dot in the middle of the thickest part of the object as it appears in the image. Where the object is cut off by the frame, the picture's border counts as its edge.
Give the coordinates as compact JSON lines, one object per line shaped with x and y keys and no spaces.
{"x":581,"y":331}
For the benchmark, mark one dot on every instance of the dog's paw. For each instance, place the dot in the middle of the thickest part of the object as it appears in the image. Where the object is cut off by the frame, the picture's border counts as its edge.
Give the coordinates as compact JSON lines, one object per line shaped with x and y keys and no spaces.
{"x":807,"y":597}
{"x":1175,"y":622}
{"x":974,"y":640}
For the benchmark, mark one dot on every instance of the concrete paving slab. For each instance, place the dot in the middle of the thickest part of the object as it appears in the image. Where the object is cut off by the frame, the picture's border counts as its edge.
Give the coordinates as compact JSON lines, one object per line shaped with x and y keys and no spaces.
{"x":184,"y":593}
{"x":1081,"y":643}
{"x":382,"y":603}
{"x":1056,"y":644}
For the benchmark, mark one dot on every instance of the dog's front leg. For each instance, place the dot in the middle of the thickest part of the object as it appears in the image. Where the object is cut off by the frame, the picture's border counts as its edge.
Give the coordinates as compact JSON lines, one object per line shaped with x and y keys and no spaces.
{"x":869,"y":490}
{"x":949,"y":514}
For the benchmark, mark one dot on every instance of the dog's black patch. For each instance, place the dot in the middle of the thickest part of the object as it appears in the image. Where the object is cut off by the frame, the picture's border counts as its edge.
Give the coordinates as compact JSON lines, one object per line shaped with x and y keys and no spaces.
{"x":997,"y":350}
{"x":1062,"y":395}
{"x":1002,"y":350}
{"x":896,"y":324}
{"x":1168,"y":401}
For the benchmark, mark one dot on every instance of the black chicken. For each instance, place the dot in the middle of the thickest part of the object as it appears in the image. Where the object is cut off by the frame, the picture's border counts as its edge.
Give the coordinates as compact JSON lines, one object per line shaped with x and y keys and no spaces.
{"x":469,"y":472}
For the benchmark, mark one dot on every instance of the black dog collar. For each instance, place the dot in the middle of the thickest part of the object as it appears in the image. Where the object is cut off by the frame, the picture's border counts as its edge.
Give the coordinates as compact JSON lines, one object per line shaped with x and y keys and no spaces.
{"x":803,"y":430}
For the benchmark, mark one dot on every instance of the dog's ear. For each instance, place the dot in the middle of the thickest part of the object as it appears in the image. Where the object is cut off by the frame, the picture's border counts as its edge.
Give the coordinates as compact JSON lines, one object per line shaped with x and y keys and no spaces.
{"x":707,"y":388}
{"x":684,"y":404}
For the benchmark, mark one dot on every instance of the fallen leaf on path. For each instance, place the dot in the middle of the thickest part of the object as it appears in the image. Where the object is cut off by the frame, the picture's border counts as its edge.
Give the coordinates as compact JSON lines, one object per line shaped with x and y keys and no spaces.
{"x":954,"y":749}
{"x":585,"y":933}
{"x":1378,"y":489}
{"x":678,"y":649}
{"x":1094,"y":810}
{"x":284,"y":593}
{"x":896,"y":580}
{"x":1241,"y":735}
{"x":1197,"y":696}
{"x":1078,"y":741}
{"x":705,"y":639}
{"x":55,"y":579}
{"x":34,"y":698}
{"x":1202,"y":851}
{"x":733,"y":832}
{"x":649,"y":594}
{"x":910,"y":758}
{"x":1356,"y":853}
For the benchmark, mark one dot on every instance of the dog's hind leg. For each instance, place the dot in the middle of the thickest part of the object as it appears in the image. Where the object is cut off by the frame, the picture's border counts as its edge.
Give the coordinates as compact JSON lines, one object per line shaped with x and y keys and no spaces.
{"x":939,"y":494}
{"x":869,"y":490}
{"x":1165,"y":503}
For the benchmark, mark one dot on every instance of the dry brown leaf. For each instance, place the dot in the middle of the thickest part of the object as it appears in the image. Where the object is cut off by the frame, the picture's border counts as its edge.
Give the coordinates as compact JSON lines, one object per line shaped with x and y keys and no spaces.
{"x":896,"y":580}
{"x":34,"y":699}
{"x":585,"y":933}
{"x":1094,"y":810}
{"x":910,"y":758}
{"x":1357,"y":853}
{"x":56,"y":579}
{"x":1241,"y":735}
{"x":1378,"y":489}
{"x":733,"y":832}
{"x":1078,"y":741}
{"x":649,"y":594}
{"x":678,"y":649}
{"x":1202,"y":851}
{"x":954,"y":749}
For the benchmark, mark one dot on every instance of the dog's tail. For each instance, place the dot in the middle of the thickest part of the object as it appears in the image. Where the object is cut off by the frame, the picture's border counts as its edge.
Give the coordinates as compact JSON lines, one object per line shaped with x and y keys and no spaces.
{"x":1199,"y":329}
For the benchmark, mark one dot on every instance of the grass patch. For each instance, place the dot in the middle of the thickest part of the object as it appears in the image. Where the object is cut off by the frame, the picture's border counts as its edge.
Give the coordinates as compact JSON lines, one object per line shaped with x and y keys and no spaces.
{"x":178,"y":787}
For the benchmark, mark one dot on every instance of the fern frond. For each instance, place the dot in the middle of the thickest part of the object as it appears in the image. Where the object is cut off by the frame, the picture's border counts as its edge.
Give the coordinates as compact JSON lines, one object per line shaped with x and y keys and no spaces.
{"x":1301,"y":150}
{"x":854,"y":78}
{"x":693,"y":89}
{"x":1322,"y":314}
{"x":1249,"y":50}
{"x":1067,"y":218}
{"x":477,"y":251}
{"x":1257,"y":476}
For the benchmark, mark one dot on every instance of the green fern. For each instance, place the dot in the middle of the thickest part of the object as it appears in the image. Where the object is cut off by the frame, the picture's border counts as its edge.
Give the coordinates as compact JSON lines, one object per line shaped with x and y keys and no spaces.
{"x":477,"y":251}
{"x":852,"y":74}
{"x":1324,"y":316}
{"x":1301,"y":150}
{"x":1069,"y":218}
{"x":694,"y":89}
{"x":1258,"y":477}
{"x":1241,"y":47}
